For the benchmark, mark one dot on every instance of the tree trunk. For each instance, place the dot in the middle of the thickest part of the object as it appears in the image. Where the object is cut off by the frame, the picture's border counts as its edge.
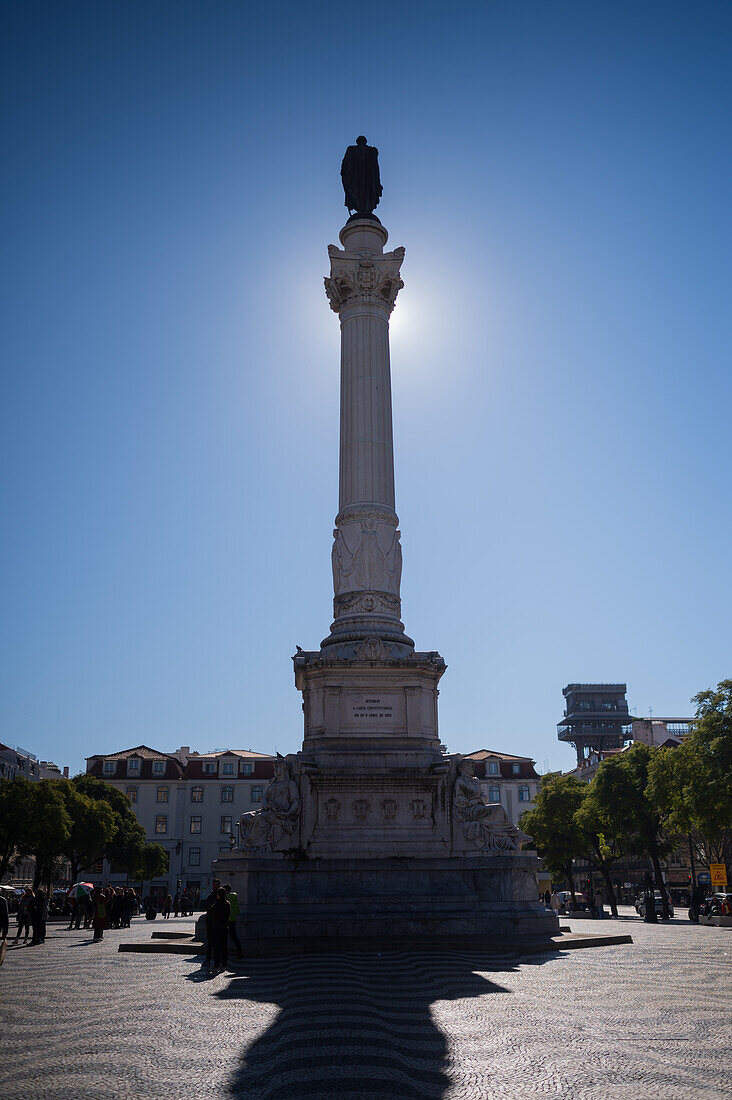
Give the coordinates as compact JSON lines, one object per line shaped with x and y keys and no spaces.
{"x":660,"y":885}
{"x":605,"y":872}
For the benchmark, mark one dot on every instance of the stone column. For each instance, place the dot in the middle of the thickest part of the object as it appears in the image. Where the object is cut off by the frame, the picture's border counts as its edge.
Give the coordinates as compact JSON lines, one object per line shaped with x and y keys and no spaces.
{"x":367,"y":558}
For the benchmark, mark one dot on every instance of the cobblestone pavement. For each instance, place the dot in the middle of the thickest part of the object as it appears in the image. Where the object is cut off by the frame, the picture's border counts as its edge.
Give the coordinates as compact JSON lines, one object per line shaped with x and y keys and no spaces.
{"x":649,"y":1021}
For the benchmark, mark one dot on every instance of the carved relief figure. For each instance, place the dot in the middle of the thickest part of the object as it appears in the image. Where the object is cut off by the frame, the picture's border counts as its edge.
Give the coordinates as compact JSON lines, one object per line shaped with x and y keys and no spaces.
{"x":332,"y":809}
{"x":485,"y":825}
{"x":361,"y":809}
{"x":367,"y":556}
{"x":418,"y":808}
{"x":390,"y":808}
{"x":278,"y":816}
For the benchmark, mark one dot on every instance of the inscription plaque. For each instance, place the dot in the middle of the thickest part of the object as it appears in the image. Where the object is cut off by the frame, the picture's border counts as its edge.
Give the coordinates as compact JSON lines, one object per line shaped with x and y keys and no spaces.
{"x":375,"y":708}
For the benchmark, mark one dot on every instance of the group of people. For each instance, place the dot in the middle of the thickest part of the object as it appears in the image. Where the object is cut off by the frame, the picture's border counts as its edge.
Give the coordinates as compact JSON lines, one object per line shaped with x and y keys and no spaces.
{"x":32,"y":916}
{"x":222,"y":909}
{"x":181,"y":903}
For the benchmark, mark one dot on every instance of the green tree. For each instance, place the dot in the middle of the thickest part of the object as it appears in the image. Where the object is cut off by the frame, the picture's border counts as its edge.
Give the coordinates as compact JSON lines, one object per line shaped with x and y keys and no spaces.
{"x":692,"y":784}
{"x":49,"y":827}
{"x":552,"y":822}
{"x":601,"y":848}
{"x":626,"y":809}
{"x":152,"y":863}
{"x":15,"y":822}
{"x":93,"y":825}
{"x":127,"y":840}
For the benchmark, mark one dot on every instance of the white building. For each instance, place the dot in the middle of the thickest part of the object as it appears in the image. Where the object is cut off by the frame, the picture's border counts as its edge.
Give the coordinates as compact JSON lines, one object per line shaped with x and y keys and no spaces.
{"x":510,"y":780}
{"x":188,"y":802}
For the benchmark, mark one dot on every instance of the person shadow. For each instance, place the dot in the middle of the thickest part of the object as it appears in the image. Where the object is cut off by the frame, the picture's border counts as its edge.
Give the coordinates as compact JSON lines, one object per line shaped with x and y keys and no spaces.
{"x":356,"y":1025}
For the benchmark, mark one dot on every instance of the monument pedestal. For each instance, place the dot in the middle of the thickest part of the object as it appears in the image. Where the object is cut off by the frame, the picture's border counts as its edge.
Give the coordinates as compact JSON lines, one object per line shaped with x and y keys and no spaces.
{"x":476,"y":899}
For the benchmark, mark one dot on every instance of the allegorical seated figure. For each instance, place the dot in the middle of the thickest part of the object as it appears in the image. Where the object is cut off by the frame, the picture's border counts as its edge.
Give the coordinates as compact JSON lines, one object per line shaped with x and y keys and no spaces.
{"x":278,"y":815}
{"x":484,"y":824}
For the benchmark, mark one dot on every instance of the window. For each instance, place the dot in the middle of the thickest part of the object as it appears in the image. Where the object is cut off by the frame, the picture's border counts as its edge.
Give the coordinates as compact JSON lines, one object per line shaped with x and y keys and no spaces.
{"x":194,"y":857}
{"x":133,"y":765}
{"x":227,"y":794}
{"x":158,"y":767}
{"x":131,"y":793}
{"x":494,"y":793}
{"x":209,"y":767}
{"x":524,"y":795}
{"x":228,"y":768}
{"x":256,"y":794}
{"x":516,"y":769}
{"x":162,"y":794}
{"x":225,"y":849}
{"x":492,"y":767}
{"x":161,"y":823}
{"x":225,"y":825}
{"x":246,"y":769}
{"x":196,"y":794}
{"x":110,"y":766}
{"x":196,"y":824}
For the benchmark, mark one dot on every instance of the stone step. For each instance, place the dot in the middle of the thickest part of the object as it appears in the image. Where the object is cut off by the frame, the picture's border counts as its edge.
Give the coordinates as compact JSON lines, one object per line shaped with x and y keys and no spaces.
{"x":566,"y":942}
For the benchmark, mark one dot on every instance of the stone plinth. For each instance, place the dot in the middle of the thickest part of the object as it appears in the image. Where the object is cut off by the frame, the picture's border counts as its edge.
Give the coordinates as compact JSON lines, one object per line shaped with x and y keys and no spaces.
{"x":478,"y":899}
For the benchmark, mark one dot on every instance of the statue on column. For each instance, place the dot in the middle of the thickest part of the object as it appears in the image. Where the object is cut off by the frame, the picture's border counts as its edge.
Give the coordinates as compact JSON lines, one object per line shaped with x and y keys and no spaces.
{"x":279,"y":814}
{"x":361,"y":181}
{"x":486,"y":825}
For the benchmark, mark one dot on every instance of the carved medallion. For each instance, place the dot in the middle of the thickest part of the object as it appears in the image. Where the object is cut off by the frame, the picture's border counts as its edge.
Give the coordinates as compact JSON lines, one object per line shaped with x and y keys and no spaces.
{"x":367,"y":276}
{"x":390,"y":808}
{"x":332,"y":809}
{"x":418,"y":808}
{"x":361,"y":809}
{"x":372,"y":649}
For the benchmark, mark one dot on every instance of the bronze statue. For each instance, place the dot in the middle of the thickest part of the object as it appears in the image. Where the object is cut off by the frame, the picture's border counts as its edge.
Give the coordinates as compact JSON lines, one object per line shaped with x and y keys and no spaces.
{"x":360,"y":176}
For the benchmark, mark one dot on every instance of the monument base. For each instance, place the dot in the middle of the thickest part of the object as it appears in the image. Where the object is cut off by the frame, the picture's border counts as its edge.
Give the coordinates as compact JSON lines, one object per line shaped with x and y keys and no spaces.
{"x":472,"y":898}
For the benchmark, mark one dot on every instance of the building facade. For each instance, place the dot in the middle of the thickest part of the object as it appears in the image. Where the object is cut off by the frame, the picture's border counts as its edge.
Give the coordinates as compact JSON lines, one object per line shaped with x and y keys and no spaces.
{"x":510,"y":780}
{"x":187,"y":802}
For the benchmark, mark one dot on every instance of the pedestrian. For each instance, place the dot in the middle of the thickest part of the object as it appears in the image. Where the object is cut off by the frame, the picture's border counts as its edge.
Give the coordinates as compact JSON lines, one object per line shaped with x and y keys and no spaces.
{"x":183,"y":904}
{"x":73,"y":911}
{"x":234,"y":913}
{"x":220,"y":912}
{"x":167,"y":906}
{"x":176,"y":903}
{"x":4,"y":925}
{"x":99,"y":913}
{"x":547,"y":898}
{"x":38,"y":910}
{"x":554,"y":901}
{"x":209,"y":904}
{"x":24,"y":920}
{"x":599,"y":903}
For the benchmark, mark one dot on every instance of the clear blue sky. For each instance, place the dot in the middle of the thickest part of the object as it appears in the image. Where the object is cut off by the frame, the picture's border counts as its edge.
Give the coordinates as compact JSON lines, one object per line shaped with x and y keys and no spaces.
{"x":559,"y":174}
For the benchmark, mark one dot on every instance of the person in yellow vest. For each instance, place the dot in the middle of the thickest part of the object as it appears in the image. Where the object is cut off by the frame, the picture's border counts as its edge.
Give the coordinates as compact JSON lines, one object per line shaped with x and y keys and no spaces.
{"x":234,"y":913}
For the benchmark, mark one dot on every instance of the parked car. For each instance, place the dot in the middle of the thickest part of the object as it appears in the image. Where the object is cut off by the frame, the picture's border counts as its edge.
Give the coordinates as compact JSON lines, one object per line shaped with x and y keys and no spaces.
{"x":640,"y":904}
{"x":565,"y":901}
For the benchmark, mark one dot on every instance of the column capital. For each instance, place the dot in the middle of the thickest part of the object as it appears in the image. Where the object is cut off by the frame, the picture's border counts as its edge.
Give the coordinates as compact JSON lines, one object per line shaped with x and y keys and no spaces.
{"x":361,"y":273}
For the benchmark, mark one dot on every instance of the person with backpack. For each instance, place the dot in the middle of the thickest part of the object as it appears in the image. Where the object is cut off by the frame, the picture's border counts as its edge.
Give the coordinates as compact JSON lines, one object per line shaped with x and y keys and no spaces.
{"x":234,"y":913}
{"x":24,"y":920}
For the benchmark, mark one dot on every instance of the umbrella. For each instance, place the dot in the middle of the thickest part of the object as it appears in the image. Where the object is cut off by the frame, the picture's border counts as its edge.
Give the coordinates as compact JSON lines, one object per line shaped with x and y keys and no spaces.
{"x":80,"y":890}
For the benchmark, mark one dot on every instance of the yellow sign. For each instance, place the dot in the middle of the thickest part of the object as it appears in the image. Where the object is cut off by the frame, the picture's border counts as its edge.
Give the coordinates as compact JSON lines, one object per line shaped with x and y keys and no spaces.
{"x":718,"y":872}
